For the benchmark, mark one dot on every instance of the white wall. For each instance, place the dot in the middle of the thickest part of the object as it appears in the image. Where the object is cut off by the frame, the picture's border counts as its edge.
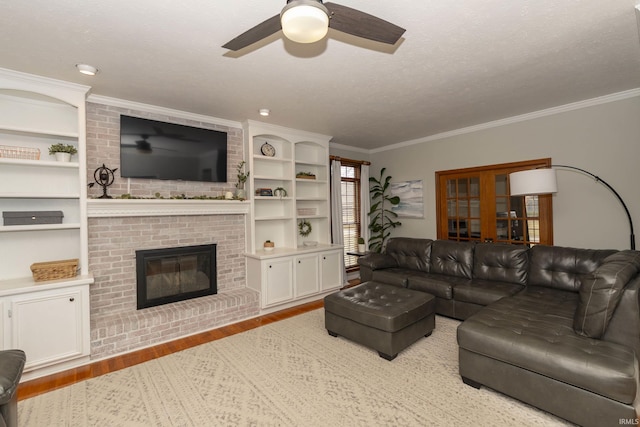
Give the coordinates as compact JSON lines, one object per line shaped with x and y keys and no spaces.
{"x":603,"y":139}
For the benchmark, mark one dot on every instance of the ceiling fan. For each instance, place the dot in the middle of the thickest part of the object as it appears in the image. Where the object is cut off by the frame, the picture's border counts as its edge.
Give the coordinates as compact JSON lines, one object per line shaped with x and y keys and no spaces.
{"x":308,"y":21}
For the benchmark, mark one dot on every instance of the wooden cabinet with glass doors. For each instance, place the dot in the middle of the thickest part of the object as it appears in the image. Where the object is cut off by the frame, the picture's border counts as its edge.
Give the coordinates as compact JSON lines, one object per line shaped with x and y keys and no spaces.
{"x":474,"y":204}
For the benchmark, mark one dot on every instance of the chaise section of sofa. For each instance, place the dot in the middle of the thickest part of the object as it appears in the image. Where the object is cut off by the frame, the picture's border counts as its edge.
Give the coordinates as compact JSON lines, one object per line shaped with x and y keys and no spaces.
{"x":527,"y":346}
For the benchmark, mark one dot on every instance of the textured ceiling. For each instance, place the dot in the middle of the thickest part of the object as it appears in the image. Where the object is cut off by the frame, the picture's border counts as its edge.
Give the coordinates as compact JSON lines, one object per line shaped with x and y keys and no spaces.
{"x":460,"y":63}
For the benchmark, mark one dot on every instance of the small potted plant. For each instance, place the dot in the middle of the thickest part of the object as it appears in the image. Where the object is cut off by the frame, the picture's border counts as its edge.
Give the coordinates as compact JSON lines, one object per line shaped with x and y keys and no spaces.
{"x":305,"y":175}
{"x":361,"y":247}
{"x":269,"y":245}
{"x":242,"y":179}
{"x":63,"y":152}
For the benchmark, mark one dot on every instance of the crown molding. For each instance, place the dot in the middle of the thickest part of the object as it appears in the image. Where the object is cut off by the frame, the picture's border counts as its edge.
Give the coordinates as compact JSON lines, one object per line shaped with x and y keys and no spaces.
{"x":516,"y":119}
{"x":132,"y":105}
{"x":253,"y":126}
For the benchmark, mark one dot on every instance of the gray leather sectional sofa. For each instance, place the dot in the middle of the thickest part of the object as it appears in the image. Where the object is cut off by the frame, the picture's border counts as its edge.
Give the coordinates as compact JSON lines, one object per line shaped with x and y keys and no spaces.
{"x":555,"y":327}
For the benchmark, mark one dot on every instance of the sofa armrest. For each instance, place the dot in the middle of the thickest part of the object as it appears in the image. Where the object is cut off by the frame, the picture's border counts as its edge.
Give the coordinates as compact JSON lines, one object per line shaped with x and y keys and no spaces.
{"x":624,"y":327}
{"x":376,"y":261}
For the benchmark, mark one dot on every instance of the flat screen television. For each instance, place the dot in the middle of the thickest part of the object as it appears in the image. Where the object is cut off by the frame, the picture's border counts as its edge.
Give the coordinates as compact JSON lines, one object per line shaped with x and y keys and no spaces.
{"x":158,"y":150}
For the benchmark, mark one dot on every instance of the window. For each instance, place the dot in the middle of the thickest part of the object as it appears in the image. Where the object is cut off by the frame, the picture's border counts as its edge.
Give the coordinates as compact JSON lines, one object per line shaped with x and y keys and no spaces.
{"x":350,"y":186}
{"x":475,"y":204}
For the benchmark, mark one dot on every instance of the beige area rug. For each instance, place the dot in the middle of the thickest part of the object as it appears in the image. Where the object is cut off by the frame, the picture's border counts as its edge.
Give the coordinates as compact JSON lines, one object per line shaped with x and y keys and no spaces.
{"x":289,"y":373}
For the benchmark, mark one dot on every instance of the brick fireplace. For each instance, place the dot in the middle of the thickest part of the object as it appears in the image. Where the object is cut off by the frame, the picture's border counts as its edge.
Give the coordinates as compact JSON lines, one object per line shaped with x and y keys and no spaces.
{"x":119,"y":227}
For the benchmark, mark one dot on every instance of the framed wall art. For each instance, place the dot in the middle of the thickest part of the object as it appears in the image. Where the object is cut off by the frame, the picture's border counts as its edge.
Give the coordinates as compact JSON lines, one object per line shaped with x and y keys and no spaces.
{"x":411,"y":198}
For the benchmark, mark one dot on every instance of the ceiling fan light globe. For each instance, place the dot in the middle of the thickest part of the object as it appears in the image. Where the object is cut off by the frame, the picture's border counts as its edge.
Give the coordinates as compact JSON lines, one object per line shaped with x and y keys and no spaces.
{"x":304,"y":22}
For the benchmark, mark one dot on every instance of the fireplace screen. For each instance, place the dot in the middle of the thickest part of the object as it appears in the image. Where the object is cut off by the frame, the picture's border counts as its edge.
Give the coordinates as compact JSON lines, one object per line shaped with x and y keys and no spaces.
{"x":175,"y":274}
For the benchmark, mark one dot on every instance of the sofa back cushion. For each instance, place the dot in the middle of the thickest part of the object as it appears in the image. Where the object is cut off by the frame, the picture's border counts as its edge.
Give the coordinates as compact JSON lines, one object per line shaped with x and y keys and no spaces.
{"x":563,"y":268}
{"x":601,"y":292}
{"x":502,"y":263}
{"x":452,"y":258}
{"x":409,"y":253}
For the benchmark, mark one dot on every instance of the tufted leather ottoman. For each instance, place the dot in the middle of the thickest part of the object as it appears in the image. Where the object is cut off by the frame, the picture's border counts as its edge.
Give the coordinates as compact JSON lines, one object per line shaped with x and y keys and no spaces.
{"x":384,"y":317}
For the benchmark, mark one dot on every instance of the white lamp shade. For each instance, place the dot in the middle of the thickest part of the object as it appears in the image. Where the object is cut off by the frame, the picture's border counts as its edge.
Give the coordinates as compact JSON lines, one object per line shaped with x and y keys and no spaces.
{"x":304,"y":23}
{"x":534,"y":181}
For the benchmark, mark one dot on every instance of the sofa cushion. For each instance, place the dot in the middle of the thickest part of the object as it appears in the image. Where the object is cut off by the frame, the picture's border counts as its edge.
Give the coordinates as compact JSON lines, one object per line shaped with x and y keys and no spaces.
{"x":533,"y":330}
{"x":500,"y":262}
{"x":435,"y":284}
{"x":452,"y":258}
{"x":601,"y":291}
{"x":409,"y":253}
{"x":563,"y":268}
{"x":484,"y":292}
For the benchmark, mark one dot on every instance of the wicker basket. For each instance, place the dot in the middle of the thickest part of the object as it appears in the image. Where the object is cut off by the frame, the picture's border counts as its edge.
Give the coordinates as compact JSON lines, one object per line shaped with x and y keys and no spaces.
{"x":26,"y":153}
{"x":52,"y":270}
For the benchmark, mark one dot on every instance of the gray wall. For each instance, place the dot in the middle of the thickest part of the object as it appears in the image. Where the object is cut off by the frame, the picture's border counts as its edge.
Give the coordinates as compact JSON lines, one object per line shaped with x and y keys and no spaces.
{"x":349,"y":152}
{"x":602,"y":138}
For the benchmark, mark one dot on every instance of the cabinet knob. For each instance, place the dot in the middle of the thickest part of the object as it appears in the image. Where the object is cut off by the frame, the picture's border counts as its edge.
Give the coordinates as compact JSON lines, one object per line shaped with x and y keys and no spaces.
{"x":72,"y":299}
{"x":269,"y":266}
{"x":299,"y":262}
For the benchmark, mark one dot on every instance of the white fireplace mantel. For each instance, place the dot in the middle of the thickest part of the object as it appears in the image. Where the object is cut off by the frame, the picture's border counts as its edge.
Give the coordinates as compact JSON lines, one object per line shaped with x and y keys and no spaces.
{"x":106,"y":208}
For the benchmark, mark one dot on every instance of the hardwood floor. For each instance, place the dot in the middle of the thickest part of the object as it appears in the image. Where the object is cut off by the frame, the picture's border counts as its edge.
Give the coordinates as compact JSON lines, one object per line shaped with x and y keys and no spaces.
{"x":38,"y":386}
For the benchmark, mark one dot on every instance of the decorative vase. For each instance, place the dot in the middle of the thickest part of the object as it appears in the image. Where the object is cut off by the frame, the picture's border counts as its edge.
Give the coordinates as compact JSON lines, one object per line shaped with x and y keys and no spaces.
{"x":63,"y":157}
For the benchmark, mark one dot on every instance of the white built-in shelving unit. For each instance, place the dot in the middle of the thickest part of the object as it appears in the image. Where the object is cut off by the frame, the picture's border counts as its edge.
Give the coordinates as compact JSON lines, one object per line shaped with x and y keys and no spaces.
{"x":49,"y":320}
{"x":294,"y":271}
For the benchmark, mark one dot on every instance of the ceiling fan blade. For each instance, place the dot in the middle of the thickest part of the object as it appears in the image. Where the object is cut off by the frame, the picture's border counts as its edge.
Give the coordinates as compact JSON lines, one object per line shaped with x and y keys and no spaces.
{"x":357,"y":23}
{"x":257,"y":33}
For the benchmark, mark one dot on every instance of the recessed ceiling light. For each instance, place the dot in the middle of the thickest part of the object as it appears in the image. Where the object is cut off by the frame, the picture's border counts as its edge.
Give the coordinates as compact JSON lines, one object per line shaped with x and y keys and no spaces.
{"x":89,"y":70}
{"x":264,"y":112}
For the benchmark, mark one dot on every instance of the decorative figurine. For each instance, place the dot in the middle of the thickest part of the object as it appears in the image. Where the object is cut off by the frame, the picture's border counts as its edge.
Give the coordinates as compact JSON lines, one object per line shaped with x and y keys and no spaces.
{"x":104,"y":177}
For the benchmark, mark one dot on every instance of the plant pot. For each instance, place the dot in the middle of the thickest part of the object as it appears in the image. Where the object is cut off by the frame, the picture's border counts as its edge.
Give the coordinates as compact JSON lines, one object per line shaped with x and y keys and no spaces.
{"x":63,"y":157}
{"x":361,"y":248}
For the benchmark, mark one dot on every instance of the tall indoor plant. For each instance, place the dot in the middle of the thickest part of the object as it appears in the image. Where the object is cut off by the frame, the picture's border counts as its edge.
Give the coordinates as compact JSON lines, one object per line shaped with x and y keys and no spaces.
{"x":381,"y":217}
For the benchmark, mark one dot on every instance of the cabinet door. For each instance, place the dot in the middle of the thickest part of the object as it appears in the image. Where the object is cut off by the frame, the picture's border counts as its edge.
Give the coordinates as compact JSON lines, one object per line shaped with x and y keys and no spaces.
{"x":306,"y":275}
{"x":331,"y":266}
{"x":279,"y":285}
{"x":48,"y":326}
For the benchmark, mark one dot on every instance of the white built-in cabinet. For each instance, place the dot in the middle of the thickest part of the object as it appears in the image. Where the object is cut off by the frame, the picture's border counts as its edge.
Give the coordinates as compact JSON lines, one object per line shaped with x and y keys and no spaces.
{"x":49,"y":320}
{"x":293,"y":272}
{"x":288,"y":279}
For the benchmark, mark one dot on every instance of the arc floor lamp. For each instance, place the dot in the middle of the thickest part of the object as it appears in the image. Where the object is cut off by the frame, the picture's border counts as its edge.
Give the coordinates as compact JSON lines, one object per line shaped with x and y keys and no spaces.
{"x":543,"y":181}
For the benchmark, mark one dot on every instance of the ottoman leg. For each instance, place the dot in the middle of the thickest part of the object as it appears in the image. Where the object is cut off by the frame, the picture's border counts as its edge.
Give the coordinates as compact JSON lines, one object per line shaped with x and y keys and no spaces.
{"x":386,"y":356}
{"x":471,"y":383}
{"x":428,"y":334}
{"x":333,"y":334}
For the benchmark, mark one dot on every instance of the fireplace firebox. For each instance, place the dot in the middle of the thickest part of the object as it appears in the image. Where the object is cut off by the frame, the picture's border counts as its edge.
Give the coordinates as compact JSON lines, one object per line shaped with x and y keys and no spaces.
{"x":175,"y":274}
